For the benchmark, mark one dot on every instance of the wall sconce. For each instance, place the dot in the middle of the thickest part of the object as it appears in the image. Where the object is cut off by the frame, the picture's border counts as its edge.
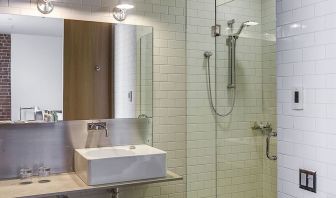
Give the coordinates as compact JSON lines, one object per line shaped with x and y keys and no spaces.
{"x":120,"y":11}
{"x":45,"y":6}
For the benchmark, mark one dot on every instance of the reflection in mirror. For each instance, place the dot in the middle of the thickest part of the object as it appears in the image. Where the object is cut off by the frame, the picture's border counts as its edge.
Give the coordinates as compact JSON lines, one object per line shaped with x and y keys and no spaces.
{"x":133,"y":61}
{"x":31,"y":67}
{"x":107,"y":70}
{"x":55,"y":69}
{"x":144,"y":74}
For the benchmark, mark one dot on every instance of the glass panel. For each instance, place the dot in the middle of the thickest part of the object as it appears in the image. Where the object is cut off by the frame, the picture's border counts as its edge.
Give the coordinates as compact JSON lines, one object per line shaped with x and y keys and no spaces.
{"x":227,"y":158}
{"x":201,"y":131}
{"x":243,"y":169}
{"x":144,"y":77}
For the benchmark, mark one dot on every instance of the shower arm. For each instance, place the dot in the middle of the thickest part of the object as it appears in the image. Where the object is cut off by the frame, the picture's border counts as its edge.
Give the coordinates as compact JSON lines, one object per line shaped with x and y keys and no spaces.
{"x":242,"y":26}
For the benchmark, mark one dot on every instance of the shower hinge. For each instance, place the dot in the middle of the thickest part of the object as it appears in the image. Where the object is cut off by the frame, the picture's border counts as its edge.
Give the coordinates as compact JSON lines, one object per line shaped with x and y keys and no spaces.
{"x":216,"y":30}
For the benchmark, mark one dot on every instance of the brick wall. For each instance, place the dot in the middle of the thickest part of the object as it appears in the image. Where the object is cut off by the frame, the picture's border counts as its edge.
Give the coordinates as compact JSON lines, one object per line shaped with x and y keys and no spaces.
{"x":5,"y":83}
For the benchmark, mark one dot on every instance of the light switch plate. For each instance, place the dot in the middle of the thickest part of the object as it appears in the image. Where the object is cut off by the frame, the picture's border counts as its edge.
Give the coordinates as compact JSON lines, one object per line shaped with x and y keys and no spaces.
{"x":297,"y":98}
{"x":308,"y":180}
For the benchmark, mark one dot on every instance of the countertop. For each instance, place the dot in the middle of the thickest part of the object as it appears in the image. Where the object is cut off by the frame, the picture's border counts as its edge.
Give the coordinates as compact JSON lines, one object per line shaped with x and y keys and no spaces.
{"x":65,"y":183}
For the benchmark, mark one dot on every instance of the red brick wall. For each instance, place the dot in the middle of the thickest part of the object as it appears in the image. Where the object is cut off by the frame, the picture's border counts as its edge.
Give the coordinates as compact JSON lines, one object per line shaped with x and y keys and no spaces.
{"x":5,"y":77}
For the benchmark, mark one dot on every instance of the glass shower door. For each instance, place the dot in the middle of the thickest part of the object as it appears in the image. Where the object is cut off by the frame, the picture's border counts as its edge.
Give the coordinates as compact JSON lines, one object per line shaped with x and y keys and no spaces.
{"x":242,"y":168}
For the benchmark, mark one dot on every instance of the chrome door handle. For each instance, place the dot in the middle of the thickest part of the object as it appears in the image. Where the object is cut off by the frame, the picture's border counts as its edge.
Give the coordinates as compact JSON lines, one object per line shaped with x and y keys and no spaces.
{"x":268,"y":140}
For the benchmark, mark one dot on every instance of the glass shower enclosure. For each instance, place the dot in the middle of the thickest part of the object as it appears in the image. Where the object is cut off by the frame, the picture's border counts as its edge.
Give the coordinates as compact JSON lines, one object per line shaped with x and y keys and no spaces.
{"x":233,"y":154}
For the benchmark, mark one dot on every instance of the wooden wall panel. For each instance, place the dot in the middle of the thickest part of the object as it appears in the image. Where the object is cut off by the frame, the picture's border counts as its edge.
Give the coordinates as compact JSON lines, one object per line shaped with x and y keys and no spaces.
{"x":87,"y":92}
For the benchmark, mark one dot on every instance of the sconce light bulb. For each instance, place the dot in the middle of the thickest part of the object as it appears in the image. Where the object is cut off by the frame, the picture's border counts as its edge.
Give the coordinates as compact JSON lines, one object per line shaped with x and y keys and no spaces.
{"x":119,"y":14}
{"x":45,"y":6}
{"x":120,"y":11}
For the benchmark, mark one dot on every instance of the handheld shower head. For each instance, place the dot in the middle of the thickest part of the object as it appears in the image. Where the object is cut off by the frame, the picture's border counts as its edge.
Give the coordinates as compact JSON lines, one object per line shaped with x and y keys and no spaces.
{"x":250,"y":23}
{"x":246,"y":24}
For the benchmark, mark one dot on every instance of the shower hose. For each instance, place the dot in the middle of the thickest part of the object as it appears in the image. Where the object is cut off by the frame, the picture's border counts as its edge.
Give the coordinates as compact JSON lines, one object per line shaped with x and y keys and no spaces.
{"x":207,"y":56}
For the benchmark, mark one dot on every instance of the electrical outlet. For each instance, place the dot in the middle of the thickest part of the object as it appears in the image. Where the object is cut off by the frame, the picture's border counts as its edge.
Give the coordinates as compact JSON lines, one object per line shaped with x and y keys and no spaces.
{"x":308,"y":180}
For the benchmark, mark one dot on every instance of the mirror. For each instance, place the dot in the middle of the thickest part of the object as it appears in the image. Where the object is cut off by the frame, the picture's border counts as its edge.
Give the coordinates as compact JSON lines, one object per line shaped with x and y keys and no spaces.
{"x":55,"y":69}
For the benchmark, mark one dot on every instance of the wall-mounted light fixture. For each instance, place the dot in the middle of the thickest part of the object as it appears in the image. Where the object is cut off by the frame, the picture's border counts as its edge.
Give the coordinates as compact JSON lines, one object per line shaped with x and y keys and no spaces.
{"x":45,"y":6}
{"x":120,"y":11}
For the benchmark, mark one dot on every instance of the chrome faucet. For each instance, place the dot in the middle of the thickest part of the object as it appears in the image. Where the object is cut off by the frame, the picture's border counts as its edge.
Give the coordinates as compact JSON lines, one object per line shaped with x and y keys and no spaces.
{"x":98,"y":126}
{"x":263,"y":126}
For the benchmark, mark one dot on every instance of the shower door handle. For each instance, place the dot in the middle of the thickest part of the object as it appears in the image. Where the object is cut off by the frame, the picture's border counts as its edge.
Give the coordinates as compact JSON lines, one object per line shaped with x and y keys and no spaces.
{"x":268,"y":141}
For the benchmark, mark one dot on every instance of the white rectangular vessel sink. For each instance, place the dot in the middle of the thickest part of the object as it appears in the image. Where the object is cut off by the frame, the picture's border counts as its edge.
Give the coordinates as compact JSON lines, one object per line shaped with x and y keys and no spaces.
{"x":106,"y":165}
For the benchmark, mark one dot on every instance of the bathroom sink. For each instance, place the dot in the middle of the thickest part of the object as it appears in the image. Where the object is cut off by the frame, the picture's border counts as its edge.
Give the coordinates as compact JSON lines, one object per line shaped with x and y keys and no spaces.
{"x":107,"y":165}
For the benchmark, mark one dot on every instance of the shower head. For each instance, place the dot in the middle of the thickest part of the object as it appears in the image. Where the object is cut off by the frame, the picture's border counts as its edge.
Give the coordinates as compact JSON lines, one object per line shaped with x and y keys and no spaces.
{"x":250,"y":23}
{"x":246,"y":24}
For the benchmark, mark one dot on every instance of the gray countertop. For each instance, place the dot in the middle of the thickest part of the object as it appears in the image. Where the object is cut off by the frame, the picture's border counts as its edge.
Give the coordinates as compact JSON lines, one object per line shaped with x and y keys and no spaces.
{"x":66,"y":183}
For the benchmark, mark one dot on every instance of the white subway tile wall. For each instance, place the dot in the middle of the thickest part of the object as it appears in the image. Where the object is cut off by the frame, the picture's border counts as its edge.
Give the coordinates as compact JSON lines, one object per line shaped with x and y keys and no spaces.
{"x":306,"y":58}
{"x":168,"y":19}
{"x":201,"y":145}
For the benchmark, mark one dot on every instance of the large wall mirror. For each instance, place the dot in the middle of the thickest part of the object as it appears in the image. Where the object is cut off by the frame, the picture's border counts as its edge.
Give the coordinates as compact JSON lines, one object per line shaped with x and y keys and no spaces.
{"x":55,"y":69}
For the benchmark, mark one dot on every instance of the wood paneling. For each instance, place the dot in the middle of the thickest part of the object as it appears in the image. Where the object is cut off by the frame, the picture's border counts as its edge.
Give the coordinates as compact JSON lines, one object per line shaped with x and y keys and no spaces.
{"x":87,"y":92}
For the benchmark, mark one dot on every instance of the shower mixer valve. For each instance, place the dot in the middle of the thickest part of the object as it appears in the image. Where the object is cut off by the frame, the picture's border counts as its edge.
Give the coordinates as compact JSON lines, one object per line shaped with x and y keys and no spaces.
{"x":263,"y":126}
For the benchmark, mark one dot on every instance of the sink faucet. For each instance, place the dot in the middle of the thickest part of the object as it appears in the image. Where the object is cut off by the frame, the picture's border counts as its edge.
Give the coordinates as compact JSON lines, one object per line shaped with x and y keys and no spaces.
{"x":98,"y":126}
